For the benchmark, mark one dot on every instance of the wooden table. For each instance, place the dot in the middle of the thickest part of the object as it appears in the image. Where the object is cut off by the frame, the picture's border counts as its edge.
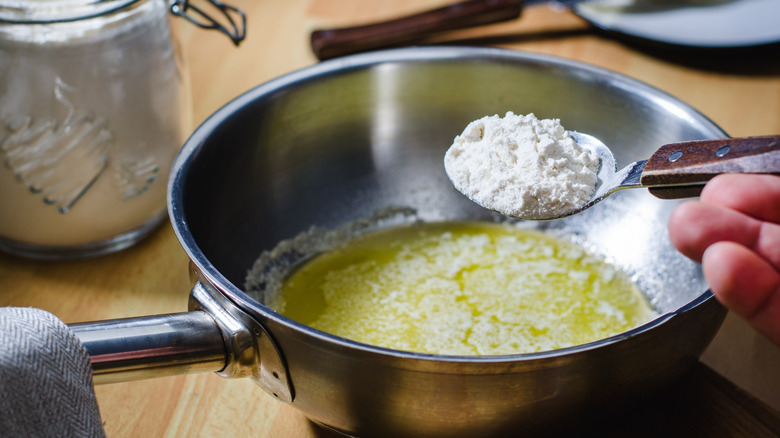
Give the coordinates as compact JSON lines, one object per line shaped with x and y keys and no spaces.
{"x":740,"y":93}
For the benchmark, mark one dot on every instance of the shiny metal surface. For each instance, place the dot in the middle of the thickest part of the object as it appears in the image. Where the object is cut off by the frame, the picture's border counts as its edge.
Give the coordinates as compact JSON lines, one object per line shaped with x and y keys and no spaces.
{"x":667,"y":177}
{"x":140,"y":348}
{"x":341,"y":139}
{"x":213,"y":336}
{"x":250,"y":351}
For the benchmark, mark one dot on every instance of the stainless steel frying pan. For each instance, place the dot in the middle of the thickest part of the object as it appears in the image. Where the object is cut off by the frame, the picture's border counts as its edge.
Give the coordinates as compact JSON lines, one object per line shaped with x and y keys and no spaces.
{"x":339,"y":140}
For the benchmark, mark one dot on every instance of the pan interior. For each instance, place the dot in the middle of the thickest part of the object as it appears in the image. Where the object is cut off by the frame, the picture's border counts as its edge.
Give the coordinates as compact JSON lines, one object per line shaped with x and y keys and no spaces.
{"x":343,"y":141}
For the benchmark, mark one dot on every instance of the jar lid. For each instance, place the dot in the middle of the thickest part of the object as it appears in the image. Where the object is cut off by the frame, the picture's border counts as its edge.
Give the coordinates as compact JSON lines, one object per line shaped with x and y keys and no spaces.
{"x":53,"y":11}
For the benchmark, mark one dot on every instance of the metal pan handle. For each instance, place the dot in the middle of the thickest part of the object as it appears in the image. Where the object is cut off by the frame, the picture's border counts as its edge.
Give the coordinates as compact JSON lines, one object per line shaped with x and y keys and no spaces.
{"x":214,"y":336}
{"x":152,"y":346}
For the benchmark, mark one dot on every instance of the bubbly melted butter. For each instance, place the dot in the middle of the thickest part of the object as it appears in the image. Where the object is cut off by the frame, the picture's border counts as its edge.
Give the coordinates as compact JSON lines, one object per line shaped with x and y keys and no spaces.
{"x":463,"y":288}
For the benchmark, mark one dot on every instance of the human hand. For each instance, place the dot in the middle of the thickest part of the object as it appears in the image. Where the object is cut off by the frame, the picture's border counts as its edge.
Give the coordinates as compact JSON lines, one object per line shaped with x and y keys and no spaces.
{"x":734,"y":231}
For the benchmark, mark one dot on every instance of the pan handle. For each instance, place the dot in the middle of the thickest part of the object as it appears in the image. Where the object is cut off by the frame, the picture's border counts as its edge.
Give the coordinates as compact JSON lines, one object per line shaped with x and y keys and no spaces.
{"x":152,"y":346}
{"x":216,"y":335}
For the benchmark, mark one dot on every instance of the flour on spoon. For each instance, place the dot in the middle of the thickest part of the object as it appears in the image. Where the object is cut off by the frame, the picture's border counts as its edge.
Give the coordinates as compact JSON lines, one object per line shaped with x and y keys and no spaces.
{"x":522,"y":166}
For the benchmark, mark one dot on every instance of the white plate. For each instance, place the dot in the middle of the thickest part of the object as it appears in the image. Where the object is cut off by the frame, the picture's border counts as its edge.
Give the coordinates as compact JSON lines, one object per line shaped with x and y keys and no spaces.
{"x":735,"y":23}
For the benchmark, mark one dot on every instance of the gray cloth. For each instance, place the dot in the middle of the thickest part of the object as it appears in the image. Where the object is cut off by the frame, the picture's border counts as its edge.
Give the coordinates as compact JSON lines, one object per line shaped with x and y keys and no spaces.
{"x":45,"y":378}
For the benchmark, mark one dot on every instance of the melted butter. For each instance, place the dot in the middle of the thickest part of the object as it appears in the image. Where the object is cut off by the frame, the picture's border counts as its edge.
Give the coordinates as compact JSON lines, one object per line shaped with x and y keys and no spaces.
{"x":463,"y":288}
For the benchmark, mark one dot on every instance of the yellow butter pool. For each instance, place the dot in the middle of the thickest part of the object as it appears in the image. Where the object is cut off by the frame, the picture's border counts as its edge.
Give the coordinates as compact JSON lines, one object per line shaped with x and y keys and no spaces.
{"x":462,"y":288}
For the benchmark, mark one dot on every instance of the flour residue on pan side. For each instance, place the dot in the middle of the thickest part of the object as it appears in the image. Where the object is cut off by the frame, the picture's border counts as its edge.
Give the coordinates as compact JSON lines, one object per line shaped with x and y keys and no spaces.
{"x":266,"y":276}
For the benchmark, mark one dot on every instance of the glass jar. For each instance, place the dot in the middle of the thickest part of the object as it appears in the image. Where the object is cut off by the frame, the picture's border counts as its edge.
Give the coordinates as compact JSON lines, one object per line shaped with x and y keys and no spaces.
{"x":94,"y":105}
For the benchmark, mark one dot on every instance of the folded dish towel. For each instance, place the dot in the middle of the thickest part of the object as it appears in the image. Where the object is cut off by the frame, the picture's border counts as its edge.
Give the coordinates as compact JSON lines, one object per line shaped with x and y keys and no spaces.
{"x":45,"y":378}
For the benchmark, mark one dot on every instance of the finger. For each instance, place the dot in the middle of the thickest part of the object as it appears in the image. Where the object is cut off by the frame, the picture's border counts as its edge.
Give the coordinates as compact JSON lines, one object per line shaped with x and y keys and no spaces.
{"x":754,"y":195}
{"x":695,"y":225}
{"x":745,"y":283}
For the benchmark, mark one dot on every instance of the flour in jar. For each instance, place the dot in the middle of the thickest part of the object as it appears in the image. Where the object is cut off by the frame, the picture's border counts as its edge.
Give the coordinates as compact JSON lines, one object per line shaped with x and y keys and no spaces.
{"x":522,"y":166}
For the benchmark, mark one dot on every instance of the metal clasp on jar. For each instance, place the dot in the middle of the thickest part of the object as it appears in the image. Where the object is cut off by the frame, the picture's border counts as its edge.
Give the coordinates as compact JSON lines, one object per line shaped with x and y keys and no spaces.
{"x":236,"y":26}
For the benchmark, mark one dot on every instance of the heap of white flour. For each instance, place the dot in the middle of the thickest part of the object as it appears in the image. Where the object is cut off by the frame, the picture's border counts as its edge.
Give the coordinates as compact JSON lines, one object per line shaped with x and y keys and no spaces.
{"x":522,"y":166}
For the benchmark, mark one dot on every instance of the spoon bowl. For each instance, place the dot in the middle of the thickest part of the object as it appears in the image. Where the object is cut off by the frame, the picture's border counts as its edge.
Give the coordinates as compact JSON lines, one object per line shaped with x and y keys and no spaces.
{"x":609,"y":178}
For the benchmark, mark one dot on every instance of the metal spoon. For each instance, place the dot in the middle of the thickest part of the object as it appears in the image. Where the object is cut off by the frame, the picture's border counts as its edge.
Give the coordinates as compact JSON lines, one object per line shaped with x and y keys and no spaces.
{"x":679,"y":170}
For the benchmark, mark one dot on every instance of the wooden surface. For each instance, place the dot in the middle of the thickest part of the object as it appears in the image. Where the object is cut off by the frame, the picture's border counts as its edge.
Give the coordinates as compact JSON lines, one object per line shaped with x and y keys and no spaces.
{"x":741,"y":93}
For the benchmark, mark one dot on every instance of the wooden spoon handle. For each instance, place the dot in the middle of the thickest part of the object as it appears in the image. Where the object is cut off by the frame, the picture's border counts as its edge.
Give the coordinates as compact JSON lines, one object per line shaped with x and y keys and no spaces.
{"x":330,"y":43}
{"x":676,"y":169}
